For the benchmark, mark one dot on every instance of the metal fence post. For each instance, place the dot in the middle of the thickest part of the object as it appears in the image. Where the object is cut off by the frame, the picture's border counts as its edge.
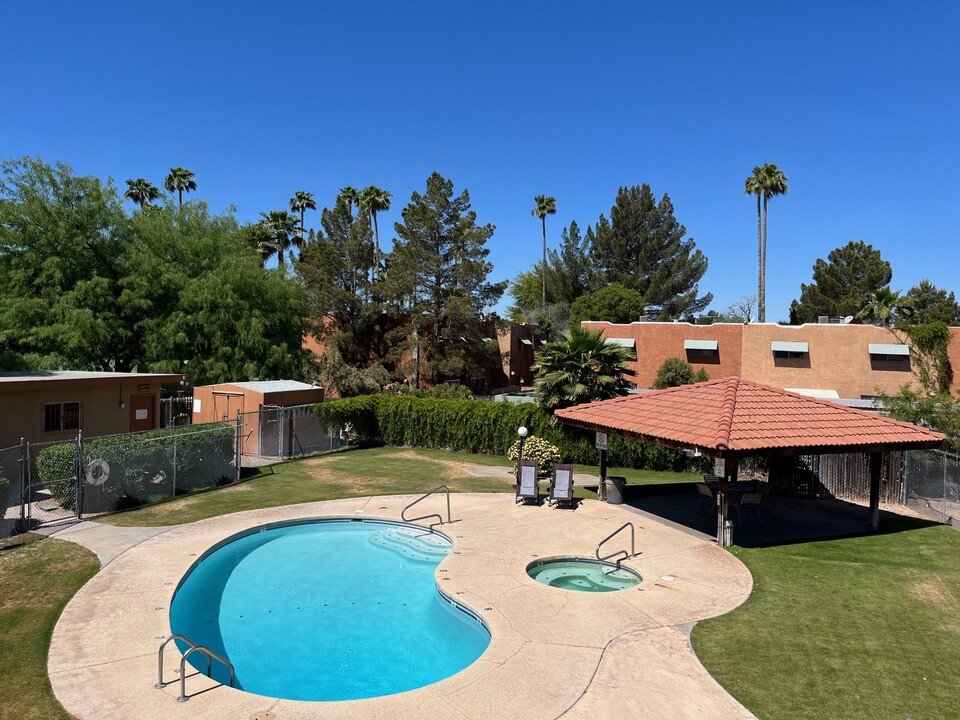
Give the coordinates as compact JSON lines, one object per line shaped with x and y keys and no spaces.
{"x":239,"y":443}
{"x":79,"y":472}
{"x":943,"y":514}
{"x":174,"y":466}
{"x":22,"y":526}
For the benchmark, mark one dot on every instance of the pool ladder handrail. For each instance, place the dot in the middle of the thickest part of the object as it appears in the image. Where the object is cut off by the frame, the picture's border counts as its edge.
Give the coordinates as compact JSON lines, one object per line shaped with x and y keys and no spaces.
{"x":194,"y":647}
{"x":403,"y":513}
{"x":625,"y":555}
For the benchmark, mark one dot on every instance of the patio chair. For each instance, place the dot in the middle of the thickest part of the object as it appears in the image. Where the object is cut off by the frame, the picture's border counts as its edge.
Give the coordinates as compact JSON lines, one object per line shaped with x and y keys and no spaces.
{"x":748,"y":500}
{"x":528,"y":484}
{"x":705,"y":494}
{"x":561,"y":486}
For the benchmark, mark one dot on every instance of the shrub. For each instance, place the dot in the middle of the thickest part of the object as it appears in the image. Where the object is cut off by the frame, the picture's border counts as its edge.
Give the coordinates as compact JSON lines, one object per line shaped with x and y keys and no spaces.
{"x":543,"y":452}
{"x":141,"y":466}
{"x":482,"y":427}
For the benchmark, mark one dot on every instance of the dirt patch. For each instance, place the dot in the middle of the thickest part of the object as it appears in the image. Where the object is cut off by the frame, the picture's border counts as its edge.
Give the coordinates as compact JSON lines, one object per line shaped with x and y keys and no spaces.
{"x":934,"y":592}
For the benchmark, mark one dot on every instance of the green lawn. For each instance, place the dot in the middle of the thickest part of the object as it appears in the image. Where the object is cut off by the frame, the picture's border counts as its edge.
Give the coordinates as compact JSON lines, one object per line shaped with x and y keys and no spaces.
{"x":357,"y":473}
{"x":37,"y":578}
{"x":865,"y":627}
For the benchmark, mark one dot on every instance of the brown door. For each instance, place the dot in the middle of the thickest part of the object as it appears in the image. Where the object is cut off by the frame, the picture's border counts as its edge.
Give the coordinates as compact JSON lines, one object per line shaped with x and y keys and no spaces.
{"x":142,"y":412}
{"x":226,"y":405}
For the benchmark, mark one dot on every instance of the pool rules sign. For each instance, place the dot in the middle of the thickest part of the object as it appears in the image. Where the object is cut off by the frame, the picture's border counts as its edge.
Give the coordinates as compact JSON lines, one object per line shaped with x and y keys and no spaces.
{"x":601,"y":441}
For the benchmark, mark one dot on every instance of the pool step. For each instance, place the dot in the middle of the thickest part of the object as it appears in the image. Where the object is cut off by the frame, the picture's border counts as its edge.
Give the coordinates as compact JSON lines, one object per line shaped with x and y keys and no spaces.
{"x":413,"y":544}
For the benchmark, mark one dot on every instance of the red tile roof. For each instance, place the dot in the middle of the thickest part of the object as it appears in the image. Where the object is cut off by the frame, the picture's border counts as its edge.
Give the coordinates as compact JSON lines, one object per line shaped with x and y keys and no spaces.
{"x":739,"y":417}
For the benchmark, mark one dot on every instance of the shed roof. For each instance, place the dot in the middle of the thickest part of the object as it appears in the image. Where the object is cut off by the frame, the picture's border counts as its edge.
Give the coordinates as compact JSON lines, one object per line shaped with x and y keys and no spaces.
{"x":27,"y":379}
{"x":735,"y":417}
{"x":274,"y":386}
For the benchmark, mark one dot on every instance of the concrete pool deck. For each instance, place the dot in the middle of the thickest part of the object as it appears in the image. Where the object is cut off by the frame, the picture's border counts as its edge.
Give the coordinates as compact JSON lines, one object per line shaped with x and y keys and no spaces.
{"x":553,"y":653}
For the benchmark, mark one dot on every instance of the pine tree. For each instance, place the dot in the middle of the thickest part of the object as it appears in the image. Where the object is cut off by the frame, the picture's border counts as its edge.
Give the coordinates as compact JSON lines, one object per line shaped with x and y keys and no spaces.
{"x":438,"y":268}
{"x":842,"y":283}
{"x":642,"y":247}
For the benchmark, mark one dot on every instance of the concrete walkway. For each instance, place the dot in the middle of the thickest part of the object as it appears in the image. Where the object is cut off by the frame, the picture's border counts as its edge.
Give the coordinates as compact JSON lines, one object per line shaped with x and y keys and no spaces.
{"x":552,"y":653}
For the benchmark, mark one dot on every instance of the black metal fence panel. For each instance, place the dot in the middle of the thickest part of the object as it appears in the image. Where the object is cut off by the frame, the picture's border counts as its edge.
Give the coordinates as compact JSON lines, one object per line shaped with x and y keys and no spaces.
{"x":932,"y":484}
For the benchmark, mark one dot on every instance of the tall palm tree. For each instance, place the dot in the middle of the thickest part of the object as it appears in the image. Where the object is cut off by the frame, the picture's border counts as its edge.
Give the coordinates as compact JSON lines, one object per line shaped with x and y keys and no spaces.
{"x":582,"y":367}
{"x":768,"y":181}
{"x":352,"y":197}
{"x":754,"y":186}
{"x":180,"y":180}
{"x":545,"y":206}
{"x":374,"y":200}
{"x":884,"y":305}
{"x":301,"y":202}
{"x":141,"y":191}
{"x":280,"y":227}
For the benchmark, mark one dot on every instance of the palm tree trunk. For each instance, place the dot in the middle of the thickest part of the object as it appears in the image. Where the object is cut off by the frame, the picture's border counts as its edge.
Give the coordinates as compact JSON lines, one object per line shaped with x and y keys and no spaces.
{"x":762,"y":311}
{"x":180,"y":192}
{"x":543,"y":270}
{"x":759,"y":262}
{"x":376,"y":254}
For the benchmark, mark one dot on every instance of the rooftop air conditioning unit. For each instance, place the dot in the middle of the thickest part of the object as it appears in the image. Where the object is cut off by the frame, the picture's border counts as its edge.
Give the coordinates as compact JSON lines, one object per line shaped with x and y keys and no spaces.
{"x":823,"y":319}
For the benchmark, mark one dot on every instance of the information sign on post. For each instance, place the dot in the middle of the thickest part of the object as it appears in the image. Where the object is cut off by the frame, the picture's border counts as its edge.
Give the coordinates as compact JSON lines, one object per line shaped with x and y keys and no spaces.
{"x":601,"y":441}
{"x":719,"y":467}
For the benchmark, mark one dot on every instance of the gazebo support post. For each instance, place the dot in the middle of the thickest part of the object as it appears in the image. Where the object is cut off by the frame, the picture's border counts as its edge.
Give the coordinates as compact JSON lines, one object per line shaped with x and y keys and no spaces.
{"x":876,"y":465}
{"x":602,"y":490}
{"x":729,"y":475}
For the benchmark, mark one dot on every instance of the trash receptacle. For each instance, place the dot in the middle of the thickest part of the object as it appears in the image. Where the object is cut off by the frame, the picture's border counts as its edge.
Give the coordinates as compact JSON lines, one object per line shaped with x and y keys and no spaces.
{"x":616,"y":485}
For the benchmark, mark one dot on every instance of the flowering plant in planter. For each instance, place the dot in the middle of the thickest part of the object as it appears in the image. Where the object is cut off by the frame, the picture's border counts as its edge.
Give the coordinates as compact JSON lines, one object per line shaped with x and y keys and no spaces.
{"x":542,"y":451}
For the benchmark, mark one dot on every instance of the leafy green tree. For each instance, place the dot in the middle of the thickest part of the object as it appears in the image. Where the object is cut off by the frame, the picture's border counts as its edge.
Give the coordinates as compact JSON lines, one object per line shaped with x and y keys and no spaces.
{"x":195,"y":291}
{"x":675,"y":372}
{"x":349,"y":380}
{"x":842,"y":283}
{"x":438,"y":270}
{"x":279,"y":233}
{"x":180,"y":180}
{"x":883,"y":306}
{"x":583,"y":367}
{"x":939,"y":411}
{"x":642,"y":247}
{"x":767,"y":181}
{"x":374,"y":200}
{"x":141,"y":191}
{"x":300,"y":203}
{"x":614,"y":303}
{"x":63,"y":241}
{"x":545,"y":205}
{"x":931,"y":304}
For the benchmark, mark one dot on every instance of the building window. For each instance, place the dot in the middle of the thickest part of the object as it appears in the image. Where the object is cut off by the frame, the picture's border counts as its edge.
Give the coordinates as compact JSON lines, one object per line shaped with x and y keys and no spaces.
{"x":60,"y":417}
{"x":701,"y":353}
{"x":788,"y":355}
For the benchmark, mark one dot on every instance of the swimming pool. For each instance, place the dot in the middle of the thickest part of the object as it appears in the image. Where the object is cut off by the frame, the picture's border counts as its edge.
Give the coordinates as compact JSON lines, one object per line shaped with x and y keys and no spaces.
{"x":327,"y":610}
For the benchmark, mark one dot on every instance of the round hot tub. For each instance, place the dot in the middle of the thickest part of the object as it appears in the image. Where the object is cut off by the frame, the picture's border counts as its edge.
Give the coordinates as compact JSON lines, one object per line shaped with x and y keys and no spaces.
{"x":583,"y":575}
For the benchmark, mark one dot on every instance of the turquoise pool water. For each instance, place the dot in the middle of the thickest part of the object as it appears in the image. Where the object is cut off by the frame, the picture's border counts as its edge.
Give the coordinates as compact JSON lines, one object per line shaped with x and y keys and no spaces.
{"x":583,"y":575}
{"x":327,"y":610}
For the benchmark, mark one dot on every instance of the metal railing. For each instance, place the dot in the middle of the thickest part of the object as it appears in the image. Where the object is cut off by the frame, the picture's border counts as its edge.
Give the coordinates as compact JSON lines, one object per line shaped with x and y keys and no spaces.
{"x":625,"y":555}
{"x":403,"y":513}
{"x":203,"y":650}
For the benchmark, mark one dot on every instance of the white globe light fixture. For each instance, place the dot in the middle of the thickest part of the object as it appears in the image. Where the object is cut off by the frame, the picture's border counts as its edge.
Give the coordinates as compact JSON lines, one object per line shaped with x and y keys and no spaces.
{"x":522,"y":432}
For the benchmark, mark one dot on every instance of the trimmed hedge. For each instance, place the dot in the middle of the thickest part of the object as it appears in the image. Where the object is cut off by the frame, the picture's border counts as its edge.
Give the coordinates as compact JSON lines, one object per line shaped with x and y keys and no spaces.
{"x":141,"y":466}
{"x":483,"y":427}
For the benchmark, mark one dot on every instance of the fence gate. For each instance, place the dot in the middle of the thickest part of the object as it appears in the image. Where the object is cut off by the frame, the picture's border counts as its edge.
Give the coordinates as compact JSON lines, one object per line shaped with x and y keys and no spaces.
{"x":931,"y":484}
{"x":57,"y":497}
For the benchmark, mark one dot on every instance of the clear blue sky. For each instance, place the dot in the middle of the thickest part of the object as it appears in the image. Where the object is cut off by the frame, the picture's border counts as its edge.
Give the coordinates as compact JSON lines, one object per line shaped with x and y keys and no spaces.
{"x":856,"y":101}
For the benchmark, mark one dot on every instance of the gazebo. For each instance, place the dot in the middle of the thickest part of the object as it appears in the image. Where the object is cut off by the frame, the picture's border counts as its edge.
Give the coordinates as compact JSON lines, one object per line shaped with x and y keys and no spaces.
{"x":734,"y":418}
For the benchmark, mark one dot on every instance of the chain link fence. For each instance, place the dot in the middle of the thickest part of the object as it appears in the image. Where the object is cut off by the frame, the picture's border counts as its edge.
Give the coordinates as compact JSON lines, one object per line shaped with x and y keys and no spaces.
{"x":176,"y":411}
{"x":275,"y":432}
{"x":65,"y":481}
{"x":10,"y":489}
{"x":931,"y":484}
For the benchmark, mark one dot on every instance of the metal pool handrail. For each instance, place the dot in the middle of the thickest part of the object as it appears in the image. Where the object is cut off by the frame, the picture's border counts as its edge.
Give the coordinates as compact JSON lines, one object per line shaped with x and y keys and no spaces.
{"x":194,"y":647}
{"x":626,"y":556}
{"x":403,"y":513}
